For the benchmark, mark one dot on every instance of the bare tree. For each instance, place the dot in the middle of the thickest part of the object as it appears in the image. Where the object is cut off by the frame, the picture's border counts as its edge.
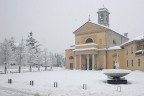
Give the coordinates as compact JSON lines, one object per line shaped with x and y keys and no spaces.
{"x":39,"y":59}
{"x":45,"y":55}
{"x":51,"y":58}
{"x":5,"y":54}
{"x":20,"y":54}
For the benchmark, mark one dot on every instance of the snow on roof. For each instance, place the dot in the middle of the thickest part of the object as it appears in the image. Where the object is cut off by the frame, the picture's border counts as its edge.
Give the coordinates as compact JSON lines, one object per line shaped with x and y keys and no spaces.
{"x":103,"y":26}
{"x":110,"y":29}
{"x":86,"y":44}
{"x":114,"y":48}
{"x":72,"y":47}
{"x":84,"y":49}
{"x":103,"y":9}
{"x":139,"y":51}
{"x":141,"y":37}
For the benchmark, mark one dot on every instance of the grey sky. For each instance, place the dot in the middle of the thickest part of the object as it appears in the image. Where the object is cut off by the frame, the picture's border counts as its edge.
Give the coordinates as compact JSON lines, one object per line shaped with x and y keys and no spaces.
{"x":54,"y":21}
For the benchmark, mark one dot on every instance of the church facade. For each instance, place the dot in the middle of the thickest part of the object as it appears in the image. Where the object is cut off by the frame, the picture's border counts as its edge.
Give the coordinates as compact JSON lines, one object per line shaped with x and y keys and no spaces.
{"x":96,"y":46}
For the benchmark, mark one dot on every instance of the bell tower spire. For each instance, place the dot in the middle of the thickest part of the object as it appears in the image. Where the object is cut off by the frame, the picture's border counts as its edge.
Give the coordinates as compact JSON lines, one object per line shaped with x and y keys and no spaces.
{"x":103,"y":16}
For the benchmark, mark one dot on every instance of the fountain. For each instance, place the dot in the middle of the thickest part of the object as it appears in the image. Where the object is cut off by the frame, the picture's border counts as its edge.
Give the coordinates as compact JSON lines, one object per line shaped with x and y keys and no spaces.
{"x":116,"y":75}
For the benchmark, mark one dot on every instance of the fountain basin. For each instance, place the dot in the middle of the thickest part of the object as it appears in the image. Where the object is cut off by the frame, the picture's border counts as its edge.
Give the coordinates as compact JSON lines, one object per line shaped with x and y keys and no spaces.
{"x":116,"y":75}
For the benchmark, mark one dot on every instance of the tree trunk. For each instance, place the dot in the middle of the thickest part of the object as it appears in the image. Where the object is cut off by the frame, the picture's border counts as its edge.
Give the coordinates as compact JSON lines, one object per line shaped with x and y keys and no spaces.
{"x":5,"y":69}
{"x":38,"y":68}
{"x":51,"y":67}
{"x":19,"y":69}
{"x":45,"y":68}
{"x":30,"y":68}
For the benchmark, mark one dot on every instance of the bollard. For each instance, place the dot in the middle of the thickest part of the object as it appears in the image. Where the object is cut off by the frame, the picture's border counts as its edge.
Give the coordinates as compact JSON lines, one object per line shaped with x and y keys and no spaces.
{"x":84,"y":86}
{"x":119,"y":88}
{"x":31,"y":83}
{"x":10,"y":81}
{"x":55,"y":84}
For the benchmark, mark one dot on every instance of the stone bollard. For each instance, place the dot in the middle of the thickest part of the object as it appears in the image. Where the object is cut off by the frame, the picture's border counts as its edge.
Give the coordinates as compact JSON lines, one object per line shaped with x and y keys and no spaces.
{"x":10,"y":81}
{"x":55,"y":84}
{"x":84,"y":86}
{"x":31,"y":83}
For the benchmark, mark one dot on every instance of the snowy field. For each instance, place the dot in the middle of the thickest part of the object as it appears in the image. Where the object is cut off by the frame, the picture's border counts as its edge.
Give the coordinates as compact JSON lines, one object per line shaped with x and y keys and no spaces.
{"x":69,"y":84}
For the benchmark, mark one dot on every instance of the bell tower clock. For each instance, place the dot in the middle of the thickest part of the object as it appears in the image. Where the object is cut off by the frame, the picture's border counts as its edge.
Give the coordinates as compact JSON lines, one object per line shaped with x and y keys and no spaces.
{"x":103,"y":16}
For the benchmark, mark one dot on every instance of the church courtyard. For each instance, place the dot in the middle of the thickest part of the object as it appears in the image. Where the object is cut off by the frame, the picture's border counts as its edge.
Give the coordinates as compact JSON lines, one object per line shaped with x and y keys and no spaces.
{"x":70,"y":83}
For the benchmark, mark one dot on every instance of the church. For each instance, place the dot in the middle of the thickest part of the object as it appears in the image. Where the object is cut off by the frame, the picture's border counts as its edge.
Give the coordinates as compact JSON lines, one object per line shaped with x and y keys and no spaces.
{"x":96,"y":46}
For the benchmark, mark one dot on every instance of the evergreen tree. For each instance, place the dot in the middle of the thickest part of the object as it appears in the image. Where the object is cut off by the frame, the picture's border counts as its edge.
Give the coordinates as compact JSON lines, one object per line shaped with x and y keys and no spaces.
{"x":13,"y":47}
{"x":33,"y":49}
{"x":12,"y":43}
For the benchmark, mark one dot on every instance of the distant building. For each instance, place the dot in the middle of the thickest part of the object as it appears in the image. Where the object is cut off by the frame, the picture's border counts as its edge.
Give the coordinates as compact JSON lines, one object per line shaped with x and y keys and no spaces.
{"x":96,"y":46}
{"x":134,"y":53}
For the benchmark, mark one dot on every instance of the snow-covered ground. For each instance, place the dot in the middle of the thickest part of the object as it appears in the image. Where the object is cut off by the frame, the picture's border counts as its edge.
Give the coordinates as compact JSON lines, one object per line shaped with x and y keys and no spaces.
{"x":69,"y":84}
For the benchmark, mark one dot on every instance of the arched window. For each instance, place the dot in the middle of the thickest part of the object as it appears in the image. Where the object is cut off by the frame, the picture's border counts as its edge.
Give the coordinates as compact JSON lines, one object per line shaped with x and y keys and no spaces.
{"x":114,"y":41}
{"x":89,"y":40}
{"x":71,"y":57}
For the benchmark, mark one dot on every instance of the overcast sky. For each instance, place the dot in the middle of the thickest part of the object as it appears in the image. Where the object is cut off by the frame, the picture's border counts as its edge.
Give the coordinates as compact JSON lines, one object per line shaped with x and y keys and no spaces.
{"x":54,"y":21}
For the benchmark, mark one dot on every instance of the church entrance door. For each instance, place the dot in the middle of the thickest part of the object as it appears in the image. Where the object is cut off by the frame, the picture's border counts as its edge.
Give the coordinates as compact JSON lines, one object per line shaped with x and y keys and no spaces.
{"x":71,"y":66}
{"x":90,"y":64}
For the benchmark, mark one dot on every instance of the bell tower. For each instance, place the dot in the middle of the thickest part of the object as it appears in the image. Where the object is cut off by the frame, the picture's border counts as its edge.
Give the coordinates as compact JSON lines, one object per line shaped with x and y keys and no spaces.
{"x":103,"y":16}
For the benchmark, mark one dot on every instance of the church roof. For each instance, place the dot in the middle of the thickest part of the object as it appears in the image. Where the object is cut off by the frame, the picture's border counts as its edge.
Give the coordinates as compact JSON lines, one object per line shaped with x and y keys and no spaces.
{"x":114,"y":48}
{"x":94,"y":27}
